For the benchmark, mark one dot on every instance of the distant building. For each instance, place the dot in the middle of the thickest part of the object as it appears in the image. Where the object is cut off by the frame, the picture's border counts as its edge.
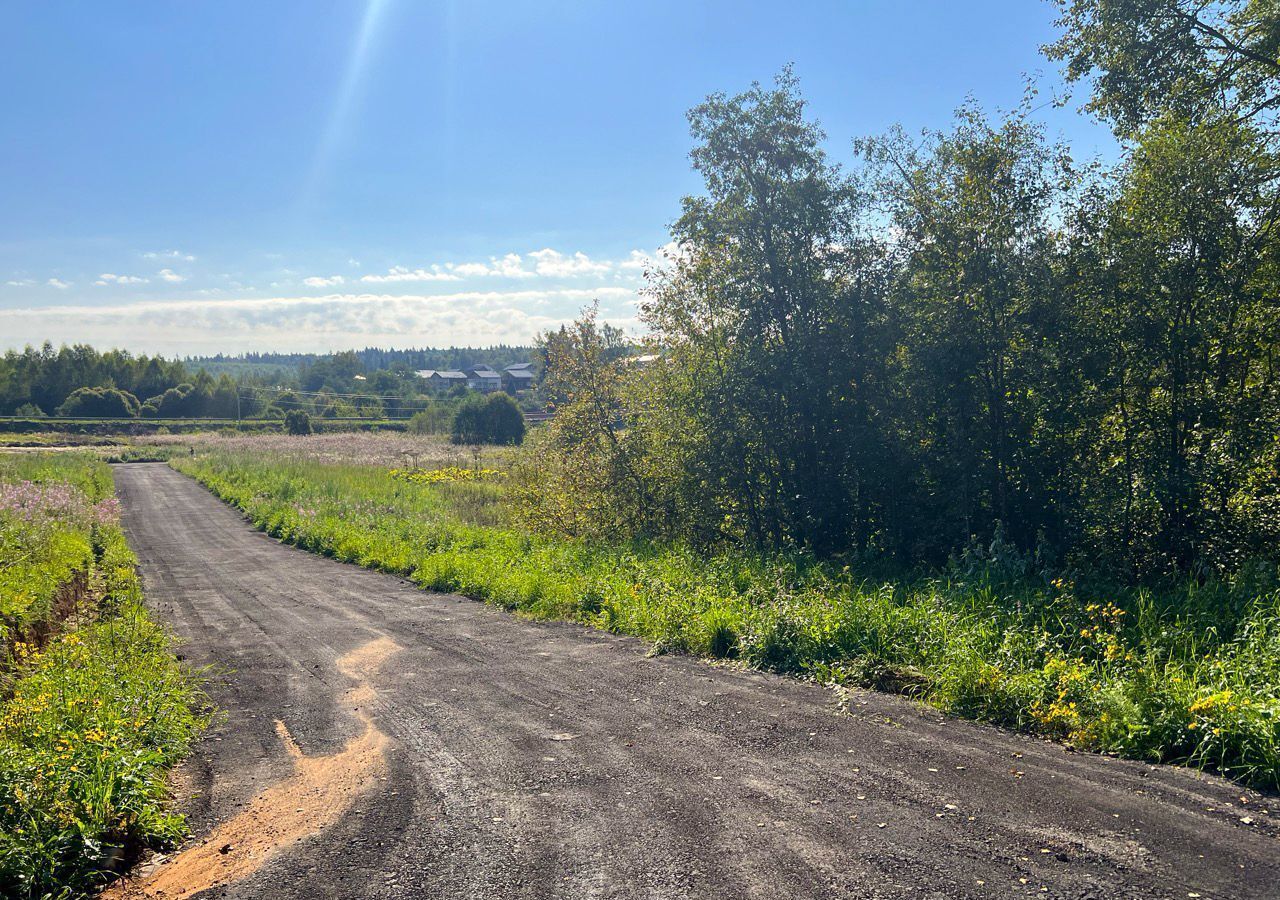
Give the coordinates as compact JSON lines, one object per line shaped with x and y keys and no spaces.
{"x":641,"y":362}
{"x":442,"y":380}
{"x":518,"y":377}
{"x":483,"y":379}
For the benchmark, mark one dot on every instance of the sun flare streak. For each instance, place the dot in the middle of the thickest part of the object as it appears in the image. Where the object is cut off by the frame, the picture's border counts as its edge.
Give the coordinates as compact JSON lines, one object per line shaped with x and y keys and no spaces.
{"x":356,"y":64}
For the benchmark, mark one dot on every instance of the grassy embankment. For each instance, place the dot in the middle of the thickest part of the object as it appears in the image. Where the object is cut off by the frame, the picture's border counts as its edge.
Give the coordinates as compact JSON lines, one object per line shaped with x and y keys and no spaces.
{"x":94,"y":707}
{"x":1190,"y":675}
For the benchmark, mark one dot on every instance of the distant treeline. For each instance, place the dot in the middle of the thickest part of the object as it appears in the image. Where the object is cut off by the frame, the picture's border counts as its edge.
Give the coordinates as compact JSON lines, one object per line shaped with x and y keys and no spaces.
{"x":84,"y":382}
{"x":370,"y":359}
{"x":81,"y":381}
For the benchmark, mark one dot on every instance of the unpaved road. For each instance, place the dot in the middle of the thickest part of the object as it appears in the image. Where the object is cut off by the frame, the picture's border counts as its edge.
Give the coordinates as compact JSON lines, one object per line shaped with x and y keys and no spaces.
{"x":383,"y":742}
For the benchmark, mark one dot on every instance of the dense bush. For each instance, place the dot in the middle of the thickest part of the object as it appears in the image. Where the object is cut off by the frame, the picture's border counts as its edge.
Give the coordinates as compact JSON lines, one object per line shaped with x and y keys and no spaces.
{"x":297,"y":422}
{"x":104,"y":403}
{"x":197,"y":399}
{"x":492,"y":419}
{"x":436,"y":416}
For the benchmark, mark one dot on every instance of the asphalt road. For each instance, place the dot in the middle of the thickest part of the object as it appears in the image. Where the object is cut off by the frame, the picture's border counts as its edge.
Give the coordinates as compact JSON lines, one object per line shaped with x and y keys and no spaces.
{"x":380,"y":741}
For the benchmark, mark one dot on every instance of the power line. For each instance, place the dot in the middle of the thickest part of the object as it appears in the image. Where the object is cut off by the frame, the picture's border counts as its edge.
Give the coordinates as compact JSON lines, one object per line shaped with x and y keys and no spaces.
{"x":284,"y":390}
{"x":300,"y":402}
{"x":343,"y":394}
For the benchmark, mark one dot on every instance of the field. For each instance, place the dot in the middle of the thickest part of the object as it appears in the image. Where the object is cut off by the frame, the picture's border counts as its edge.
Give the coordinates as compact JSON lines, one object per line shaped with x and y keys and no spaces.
{"x":384,"y":449}
{"x":1188,"y":674}
{"x":13,"y":428}
{"x":94,"y":707}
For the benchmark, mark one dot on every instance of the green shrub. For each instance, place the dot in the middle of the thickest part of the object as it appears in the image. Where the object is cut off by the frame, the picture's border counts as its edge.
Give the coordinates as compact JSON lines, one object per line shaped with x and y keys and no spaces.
{"x":181,"y":401}
{"x":436,"y":418}
{"x":296,"y":421}
{"x":493,"y":419}
{"x":100,"y":402}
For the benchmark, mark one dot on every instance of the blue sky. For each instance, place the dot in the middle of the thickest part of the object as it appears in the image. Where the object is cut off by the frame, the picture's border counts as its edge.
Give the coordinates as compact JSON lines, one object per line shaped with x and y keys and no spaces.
{"x":304,"y":175}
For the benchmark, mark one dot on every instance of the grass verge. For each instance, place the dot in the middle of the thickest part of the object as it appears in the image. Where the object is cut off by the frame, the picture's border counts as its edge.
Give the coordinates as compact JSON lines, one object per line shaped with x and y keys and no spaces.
{"x":1188,"y":675}
{"x":94,"y":706}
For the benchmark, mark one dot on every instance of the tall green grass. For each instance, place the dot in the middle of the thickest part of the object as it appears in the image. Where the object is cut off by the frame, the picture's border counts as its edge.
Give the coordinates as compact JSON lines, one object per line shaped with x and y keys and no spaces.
{"x":94,"y":706}
{"x":48,"y":504}
{"x":1190,"y":675}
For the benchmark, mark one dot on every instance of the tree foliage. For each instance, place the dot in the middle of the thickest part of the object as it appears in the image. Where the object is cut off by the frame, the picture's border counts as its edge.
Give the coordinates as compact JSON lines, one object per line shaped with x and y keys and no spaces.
{"x":1192,"y":58}
{"x":297,"y":422}
{"x":579,"y":475}
{"x":968,"y":338}
{"x":490,"y":419}
{"x":105,"y":403}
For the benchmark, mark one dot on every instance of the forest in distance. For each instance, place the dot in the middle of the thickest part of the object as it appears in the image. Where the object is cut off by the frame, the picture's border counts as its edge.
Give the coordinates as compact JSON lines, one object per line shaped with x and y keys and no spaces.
{"x":81,"y":381}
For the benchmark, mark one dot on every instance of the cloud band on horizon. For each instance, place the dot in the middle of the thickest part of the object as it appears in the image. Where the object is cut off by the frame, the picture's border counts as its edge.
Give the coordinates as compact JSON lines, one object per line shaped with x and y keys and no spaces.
{"x":317,"y":323}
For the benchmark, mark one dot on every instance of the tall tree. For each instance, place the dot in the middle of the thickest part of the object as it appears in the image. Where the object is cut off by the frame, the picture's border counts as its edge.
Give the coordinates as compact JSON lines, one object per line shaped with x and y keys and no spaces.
{"x":1196,"y":58}
{"x":1192,"y":231}
{"x":975,"y":288}
{"x":771,"y":316}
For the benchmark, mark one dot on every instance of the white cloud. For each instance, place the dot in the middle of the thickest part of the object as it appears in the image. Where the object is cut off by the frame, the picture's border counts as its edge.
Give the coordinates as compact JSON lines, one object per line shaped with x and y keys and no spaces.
{"x":108,"y":278}
{"x":58,"y":283}
{"x":353,"y":262}
{"x":469,"y":270}
{"x":400,"y":273}
{"x":545,"y":263}
{"x":171,"y":276}
{"x":474,"y":318}
{"x":636,"y":261}
{"x":554,"y":264}
{"x":169,"y":254}
{"x":317,"y":281}
{"x":21,"y":282}
{"x":509,"y":266}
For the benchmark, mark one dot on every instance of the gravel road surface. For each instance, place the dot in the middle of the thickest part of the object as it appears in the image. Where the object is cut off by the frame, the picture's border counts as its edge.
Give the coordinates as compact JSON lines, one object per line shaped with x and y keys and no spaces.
{"x":384,"y":742}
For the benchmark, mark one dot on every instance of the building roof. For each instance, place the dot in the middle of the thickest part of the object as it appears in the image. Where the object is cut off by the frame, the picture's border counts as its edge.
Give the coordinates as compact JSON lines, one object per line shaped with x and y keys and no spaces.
{"x":519,"y":367}
{"x":452,"y":374}
{"x":484,"y":372}
{"x":520,"y":373}
{"x":425,"y":373}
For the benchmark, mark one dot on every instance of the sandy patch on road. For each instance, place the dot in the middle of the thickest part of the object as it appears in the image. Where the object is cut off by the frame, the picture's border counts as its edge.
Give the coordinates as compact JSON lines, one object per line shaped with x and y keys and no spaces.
{"x":364,"y":661}
{"x":317,"y":794}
